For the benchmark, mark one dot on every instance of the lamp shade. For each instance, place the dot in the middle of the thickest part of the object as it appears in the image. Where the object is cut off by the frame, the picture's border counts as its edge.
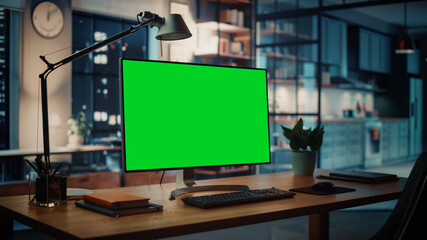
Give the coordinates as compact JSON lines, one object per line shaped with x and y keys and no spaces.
{"x":405,"y":44}
{"x":174,"y":28}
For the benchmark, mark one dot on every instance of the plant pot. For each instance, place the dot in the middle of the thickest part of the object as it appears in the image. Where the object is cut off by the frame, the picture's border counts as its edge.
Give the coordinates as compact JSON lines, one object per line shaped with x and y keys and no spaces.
{"x":303,"y":163}
{"x":75,"y":140}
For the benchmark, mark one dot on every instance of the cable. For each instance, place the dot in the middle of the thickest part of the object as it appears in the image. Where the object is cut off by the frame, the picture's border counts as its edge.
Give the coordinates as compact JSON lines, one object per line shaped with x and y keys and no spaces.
{"x":161,"y":179}
{"x":152,"y":174}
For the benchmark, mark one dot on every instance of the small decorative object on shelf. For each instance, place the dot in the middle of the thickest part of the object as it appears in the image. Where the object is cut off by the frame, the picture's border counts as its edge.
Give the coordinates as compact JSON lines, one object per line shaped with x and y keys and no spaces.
{"x":78,"y":129}
{"x":305,"y":143}
{"x":51,"y":188}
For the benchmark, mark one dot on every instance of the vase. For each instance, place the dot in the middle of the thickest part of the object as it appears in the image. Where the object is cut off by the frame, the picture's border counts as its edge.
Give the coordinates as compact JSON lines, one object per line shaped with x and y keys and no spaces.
{"x":75,"y":140}
{"x":303,"y":163}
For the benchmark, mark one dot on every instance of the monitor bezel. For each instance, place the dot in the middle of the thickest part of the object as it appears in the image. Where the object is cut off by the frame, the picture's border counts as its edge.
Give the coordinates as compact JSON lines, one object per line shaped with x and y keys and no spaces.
{"x":122,"y":127}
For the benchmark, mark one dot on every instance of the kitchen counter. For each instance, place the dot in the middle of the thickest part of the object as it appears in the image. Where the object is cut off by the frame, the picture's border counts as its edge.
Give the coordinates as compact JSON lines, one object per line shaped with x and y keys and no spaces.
{"x":393,"y":119}
{"x":343,"y":120}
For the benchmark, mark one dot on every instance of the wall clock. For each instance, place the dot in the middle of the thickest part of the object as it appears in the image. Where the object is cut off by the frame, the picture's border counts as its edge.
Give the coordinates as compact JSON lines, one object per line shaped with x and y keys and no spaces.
{"x":48,"y":19}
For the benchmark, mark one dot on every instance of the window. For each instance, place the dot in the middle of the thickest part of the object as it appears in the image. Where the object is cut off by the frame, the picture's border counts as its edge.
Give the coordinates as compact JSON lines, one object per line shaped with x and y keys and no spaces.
{"x":96,"y":75}
{"x":4,"y":79}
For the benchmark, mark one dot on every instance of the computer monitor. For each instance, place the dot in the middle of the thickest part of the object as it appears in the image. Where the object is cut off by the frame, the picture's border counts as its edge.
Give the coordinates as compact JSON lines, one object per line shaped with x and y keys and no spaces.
{"x":185,"y":116}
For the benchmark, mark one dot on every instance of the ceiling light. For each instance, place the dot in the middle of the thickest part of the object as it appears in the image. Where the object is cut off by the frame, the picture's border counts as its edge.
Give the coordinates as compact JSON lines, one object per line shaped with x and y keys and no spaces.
{"x":405,"y":42}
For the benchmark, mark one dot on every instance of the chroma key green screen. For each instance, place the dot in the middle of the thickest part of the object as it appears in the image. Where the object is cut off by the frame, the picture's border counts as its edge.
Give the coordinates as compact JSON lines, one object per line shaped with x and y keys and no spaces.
{"x":177,"y":115}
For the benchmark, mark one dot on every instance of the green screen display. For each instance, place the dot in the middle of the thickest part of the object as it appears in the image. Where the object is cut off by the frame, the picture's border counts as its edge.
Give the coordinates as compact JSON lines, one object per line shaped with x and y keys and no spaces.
{"x":178,"y":115}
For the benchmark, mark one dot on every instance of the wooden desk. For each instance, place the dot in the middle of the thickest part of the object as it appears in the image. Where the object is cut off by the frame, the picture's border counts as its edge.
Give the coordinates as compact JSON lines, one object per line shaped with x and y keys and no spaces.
{"x":57,"y":150}
{"x":69,"y":222}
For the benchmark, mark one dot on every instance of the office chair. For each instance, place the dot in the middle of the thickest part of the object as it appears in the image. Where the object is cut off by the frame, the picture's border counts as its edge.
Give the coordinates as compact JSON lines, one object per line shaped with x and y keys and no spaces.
{"x":408,"y":219}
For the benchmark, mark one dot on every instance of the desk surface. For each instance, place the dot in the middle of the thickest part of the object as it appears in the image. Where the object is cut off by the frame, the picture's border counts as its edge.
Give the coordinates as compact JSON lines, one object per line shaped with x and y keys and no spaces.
{"x":58,"y":150}
{"x":68,"y":221}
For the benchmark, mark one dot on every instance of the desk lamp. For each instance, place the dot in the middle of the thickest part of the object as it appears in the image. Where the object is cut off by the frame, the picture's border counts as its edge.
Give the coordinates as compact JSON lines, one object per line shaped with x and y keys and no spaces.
{"x":171,"y":27}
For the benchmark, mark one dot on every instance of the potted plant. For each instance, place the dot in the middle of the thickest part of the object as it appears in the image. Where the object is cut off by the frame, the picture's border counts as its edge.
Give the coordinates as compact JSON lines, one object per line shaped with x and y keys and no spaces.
{"x":304,"y":144}
{"x":78,"y":128}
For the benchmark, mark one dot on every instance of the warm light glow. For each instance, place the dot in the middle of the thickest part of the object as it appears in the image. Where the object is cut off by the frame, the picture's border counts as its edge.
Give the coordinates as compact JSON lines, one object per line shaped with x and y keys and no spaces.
{"x":404,"y":51}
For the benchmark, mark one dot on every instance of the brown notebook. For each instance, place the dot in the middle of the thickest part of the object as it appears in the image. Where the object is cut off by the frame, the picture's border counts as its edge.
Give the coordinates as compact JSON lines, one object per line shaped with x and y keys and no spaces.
{"x":116,"y":200}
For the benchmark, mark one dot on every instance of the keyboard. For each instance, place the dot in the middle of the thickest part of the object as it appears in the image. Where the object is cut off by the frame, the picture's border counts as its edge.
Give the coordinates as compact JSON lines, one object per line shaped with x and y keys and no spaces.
{"x":226,"y":199}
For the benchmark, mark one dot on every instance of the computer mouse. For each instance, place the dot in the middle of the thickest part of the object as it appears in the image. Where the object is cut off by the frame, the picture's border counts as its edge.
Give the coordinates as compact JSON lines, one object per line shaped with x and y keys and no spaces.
{"x":326,"y":187}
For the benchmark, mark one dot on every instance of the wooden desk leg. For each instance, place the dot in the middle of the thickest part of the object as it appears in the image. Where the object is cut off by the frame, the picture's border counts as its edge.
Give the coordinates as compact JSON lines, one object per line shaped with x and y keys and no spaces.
{"x":318,"y":226}
{"x":6,"y":227}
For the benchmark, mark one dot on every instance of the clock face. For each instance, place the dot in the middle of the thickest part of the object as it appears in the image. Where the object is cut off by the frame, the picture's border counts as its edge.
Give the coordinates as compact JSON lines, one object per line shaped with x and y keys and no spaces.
{"x":48,"y":19}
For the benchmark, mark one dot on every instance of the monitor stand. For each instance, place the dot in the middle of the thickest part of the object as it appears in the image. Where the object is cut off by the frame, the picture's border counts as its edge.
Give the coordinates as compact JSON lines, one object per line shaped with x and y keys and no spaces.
{"x":185,"y":184}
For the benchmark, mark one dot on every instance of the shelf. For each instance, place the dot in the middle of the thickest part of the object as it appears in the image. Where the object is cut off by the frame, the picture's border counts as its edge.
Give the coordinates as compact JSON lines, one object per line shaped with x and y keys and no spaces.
{"x":281,"y":56}
{"x":283,"y":81}
{"x":286,"y":57}
{"x":293,"y":82}
{"x":284,"y":118}
{"x":224,"y":27}
{"x":285,"y":34}
{"x":353,"y":88}
{"x":227,"y":39}
{"x":233,"y":2}
{"x":289,"y":82}
{"x":227,"y":56}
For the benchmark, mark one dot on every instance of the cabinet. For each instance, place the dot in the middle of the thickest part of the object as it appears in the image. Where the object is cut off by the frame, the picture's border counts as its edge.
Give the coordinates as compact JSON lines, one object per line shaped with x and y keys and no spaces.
{"x":413,"y":62}
{"x":334,"y":44}
{"x":224,"y":33}
{"x":394,"y":137}
{"x":374,"y":52}
{"x":342,"y":145}
{"x":385,"y":54}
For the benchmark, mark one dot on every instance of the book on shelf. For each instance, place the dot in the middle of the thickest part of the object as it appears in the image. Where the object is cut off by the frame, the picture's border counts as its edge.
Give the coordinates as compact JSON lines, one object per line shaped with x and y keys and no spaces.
{"x":119,"y":212}
{"x":223,"y":45}
{"x":116,"y":200}
{"x":240,"y":19}
{"x":232,"y":16}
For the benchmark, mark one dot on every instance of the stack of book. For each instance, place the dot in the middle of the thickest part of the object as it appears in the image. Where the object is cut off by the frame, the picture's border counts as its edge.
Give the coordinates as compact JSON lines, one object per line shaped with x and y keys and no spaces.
{"x":117,"y":204}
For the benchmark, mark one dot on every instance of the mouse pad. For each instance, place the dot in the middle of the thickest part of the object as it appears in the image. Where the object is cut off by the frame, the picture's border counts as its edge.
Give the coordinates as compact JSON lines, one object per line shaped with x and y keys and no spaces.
{"x":309,"y":190}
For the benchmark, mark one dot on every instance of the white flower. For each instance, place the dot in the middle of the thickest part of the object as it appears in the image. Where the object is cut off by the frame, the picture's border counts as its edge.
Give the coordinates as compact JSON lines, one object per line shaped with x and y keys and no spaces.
{"x":77,"y":125}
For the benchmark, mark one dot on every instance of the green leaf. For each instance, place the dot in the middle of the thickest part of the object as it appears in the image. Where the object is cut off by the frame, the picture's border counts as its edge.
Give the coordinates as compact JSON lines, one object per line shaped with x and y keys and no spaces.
{"x":298,"y":127}
{"x":296,"y":142}
{"x":287,"y":132}
{"x":294,"y":145}
{"x":317,"y":139}
{"x":300,"y":139}
{"x":313,"y":135}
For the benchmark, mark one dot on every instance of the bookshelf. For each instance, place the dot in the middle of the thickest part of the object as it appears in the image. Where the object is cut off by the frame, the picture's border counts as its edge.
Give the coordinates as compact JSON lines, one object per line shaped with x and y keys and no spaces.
{"x":224,"y":30}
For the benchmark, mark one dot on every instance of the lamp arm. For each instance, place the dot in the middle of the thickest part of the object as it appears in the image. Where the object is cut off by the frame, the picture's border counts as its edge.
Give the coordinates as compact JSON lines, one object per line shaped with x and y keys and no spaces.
{"x":95,"y":46}
{"x":52,"y":66}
